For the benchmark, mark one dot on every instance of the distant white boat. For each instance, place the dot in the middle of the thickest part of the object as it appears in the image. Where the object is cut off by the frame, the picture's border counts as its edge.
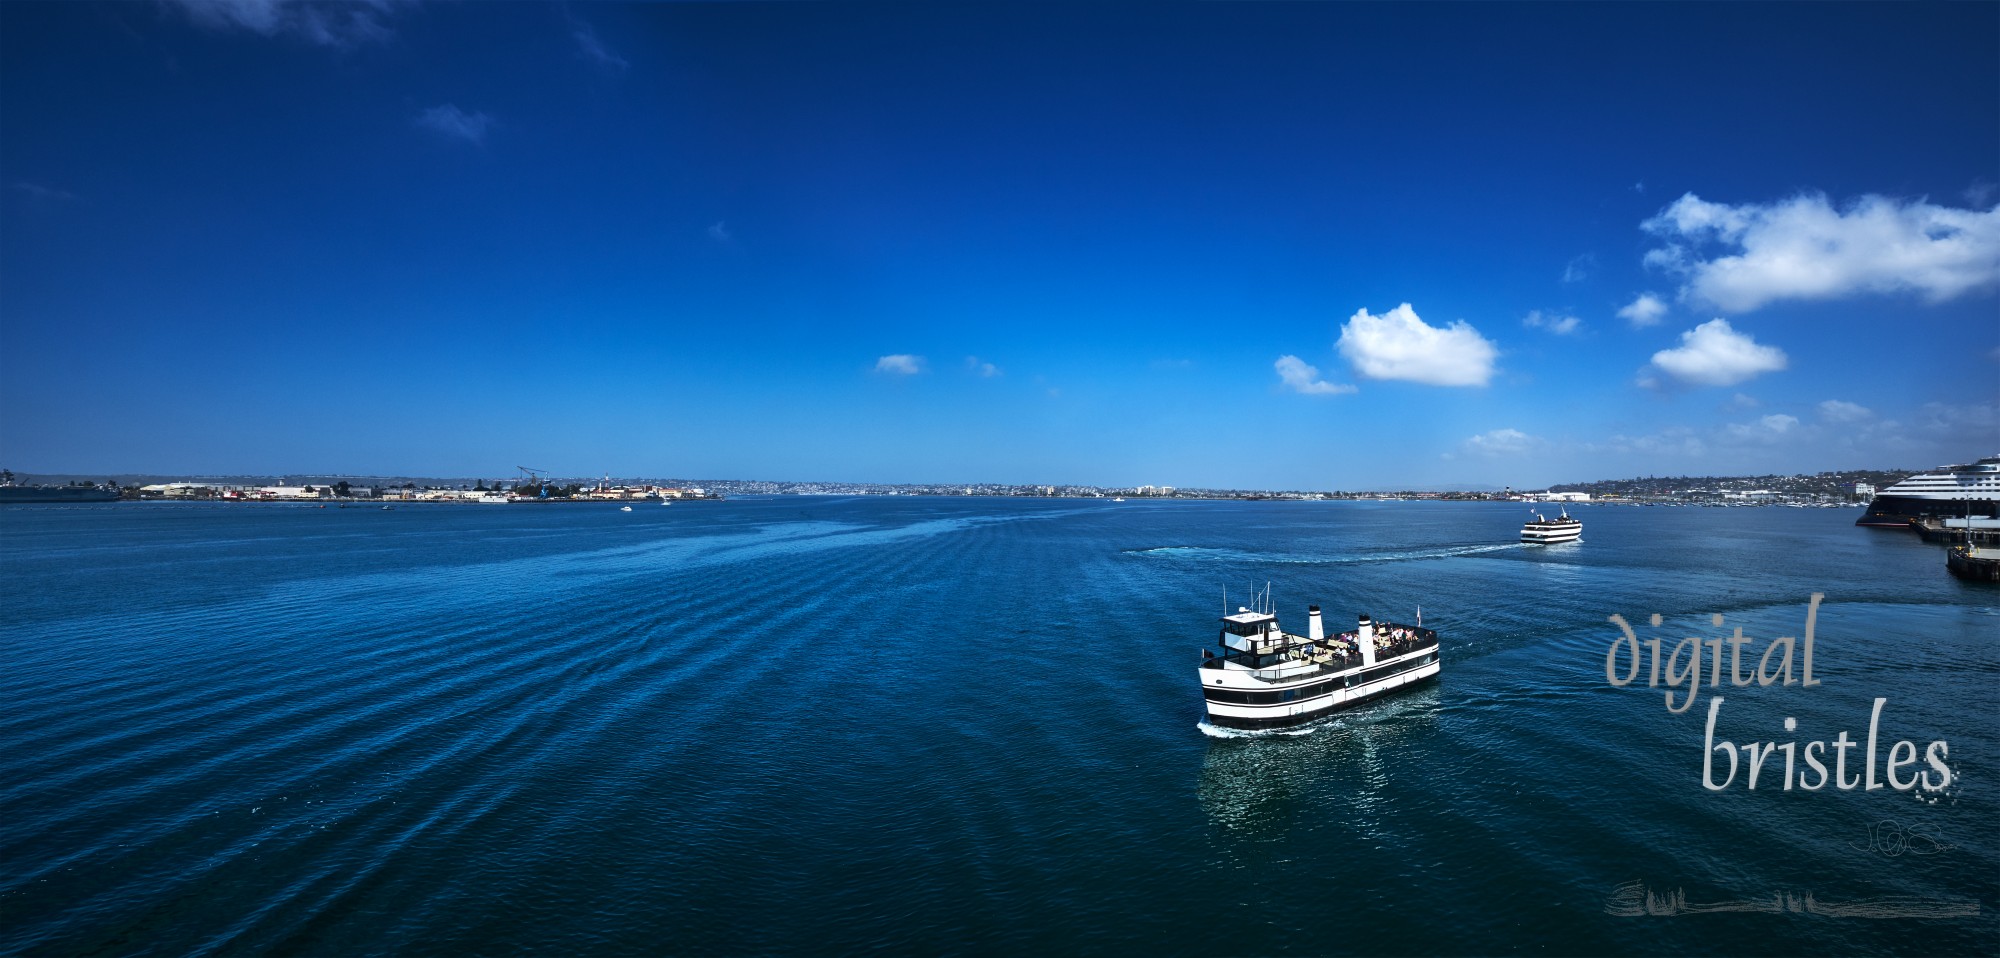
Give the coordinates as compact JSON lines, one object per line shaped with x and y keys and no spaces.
{"x":1119,"y":499}
{"x":624,"y":508}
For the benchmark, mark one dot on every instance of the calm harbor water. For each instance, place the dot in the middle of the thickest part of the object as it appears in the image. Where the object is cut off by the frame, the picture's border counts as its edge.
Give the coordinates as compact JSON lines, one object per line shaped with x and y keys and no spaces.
{"x":951,"y":725}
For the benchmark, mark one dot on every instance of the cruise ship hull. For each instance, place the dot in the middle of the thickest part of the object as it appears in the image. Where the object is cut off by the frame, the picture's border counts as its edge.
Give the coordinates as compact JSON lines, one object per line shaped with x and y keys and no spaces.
{"x":1895,"y":512}
{"x":13,"y":494}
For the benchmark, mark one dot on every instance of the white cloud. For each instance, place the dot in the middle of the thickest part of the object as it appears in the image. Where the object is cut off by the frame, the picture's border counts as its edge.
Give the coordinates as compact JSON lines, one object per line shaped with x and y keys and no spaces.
{"x":1579,"y":268}
{"x":1555,"y":323}
{"x":1503,"y":442}
{"x":1399,"y":345}
{"x":1744,"y":401}
{"x":1644,"y":311}
{"x":1303,"y":377}
{"x":450,"y":121}
{"x":1767,"y":429}
{"x":594,"y":49}
{"x":983,"y":370}
{"x":901,"y":364}
{"x":341,"y":24}
{"x":1834,"y":410}
{"x":1743,"y":257}
{"x":720,"y":233}
{"x":1713,"y":354}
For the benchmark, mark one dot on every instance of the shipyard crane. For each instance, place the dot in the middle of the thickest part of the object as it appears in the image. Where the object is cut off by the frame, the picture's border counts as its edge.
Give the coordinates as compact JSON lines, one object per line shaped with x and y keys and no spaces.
{"x":533,"y":477}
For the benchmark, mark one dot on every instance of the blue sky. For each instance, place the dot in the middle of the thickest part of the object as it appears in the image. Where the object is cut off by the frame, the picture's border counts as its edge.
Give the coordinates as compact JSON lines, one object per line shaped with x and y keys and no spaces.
{"x":1237,"y":245}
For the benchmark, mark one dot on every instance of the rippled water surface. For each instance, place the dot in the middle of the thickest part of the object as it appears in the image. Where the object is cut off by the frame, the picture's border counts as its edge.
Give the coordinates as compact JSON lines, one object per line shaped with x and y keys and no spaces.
{"x":951,"y":725}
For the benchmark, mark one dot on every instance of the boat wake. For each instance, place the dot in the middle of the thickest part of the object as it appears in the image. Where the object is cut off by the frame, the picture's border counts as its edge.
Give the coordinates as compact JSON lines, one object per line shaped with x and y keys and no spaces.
{"x":1201,"y":554}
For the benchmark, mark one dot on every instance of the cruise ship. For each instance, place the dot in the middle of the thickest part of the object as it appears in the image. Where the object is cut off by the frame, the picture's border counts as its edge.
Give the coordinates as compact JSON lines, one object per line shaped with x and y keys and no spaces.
{"x":1264,"y":677}
{"x":1545,"y":531}
{"x":1950,"y":493}
{"x":10,"y":493}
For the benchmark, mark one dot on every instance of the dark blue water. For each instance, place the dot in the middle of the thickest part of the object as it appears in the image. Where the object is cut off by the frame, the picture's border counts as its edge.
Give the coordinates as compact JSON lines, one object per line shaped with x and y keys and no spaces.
{"x":948,"y":725}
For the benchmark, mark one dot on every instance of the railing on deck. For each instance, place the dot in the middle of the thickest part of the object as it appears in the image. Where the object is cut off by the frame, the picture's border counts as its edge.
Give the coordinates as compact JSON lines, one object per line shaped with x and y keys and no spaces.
{"x":1418,"y":639}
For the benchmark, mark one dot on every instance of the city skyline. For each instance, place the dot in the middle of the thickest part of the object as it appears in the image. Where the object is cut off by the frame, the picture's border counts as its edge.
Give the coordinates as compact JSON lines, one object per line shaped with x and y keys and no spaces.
{"x":1218,"y":246}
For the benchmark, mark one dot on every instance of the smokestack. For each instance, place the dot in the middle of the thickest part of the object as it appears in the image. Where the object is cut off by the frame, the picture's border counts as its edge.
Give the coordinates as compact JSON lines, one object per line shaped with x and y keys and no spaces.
{"x":1314,"y":630}
{"x":1364,"y":636}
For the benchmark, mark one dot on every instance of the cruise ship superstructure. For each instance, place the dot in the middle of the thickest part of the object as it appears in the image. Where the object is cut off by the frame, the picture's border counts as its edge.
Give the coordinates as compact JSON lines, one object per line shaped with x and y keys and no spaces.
{"x":1950,"y":493}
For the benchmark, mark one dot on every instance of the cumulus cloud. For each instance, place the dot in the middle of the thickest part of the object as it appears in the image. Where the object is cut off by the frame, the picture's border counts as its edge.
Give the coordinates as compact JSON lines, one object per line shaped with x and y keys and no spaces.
{"x":1553,"y":322}
{"x":594,"y":49}
{"x":1644,"y":311}
{"x":340,"y":23}
{"x":1579,"y":268}
{"x":1743,"y":257}
{"x":980,"y":368}
{"x":453,"y":123}
{"x":1302,"y":377}
{"x":1834,"y":410}
{"x":1503,"y":442}
{"x":900,"y":364}
{"x":1713,"y":354}
{"x":1399,"y":345}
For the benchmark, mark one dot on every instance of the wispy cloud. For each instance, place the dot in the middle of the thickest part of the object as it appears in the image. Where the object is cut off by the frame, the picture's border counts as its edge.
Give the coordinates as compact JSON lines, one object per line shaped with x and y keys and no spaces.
{"x":1553,"y":322}
{"x":1714,"y":354}
{"x":594,"y":49}
{"x":720,"y":233}
{"x":1579,"y":268}
{"x":1302,"y":377}
{"x":453,"y":123}
{"x":1400,"y":345}
{"x":1644,"y":311}
{"x":981,"y":368}
{"x":900,"y":364}
{"x":341,"y":24}
{"x":1744,"y":256}
{"x":38,"y":193}
{"x":1766,"y":429}
{"x":1835,"y":410}
{"x":1503,"y":442}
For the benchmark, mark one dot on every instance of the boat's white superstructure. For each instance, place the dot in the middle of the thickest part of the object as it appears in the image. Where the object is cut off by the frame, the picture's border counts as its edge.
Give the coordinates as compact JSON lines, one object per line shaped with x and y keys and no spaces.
{"x":1545,"y":531}
{"x":1265,"y":677}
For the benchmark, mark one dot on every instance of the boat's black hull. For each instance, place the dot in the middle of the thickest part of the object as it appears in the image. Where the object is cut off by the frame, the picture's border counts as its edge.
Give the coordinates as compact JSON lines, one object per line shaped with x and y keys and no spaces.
{"x":9,"y":495}
{"x":1895,"y":512}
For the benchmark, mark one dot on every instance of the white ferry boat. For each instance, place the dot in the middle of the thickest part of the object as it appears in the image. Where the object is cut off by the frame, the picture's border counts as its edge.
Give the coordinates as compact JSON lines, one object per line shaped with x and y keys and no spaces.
{"x":1265,"y":677}
{"x":1545,"y":531}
